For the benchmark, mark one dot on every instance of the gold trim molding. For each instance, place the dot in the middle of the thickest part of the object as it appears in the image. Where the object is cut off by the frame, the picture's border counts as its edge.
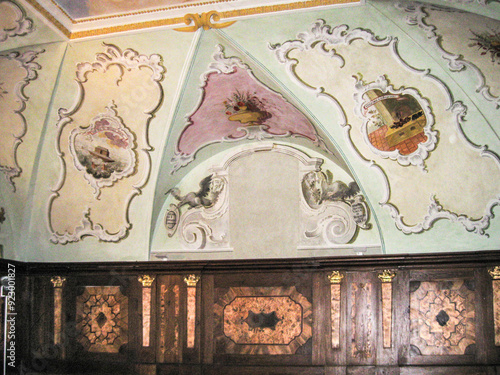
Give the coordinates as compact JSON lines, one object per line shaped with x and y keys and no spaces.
{"x":495,"y":273}
{"x":191,"y":280}
{"x":335,"y":277}
{"x":58,"y":281}
{"x":175,"y":20}
{"x":386,"y":276}
{"x":146,"y":280}
{"x":203,"y":20}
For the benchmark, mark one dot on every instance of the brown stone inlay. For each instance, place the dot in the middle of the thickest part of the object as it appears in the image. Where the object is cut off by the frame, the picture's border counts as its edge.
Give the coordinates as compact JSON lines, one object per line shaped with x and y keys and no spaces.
{"x":496,"y":310}
{"x":387,"y":314}
{"x":442,"y":317}
{"x":287,"y":312}
{"x":335,"y":314}
{"x":191,"y":316}
{"x":102,"y":319}
{"x":237,"y":337}
{"x":169,"y":324}
{"x":146,"y":315}
{"x":57,"y":315}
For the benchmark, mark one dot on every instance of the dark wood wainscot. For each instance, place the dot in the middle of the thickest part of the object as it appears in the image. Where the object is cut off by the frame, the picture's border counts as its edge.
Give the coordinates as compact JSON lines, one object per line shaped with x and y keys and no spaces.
{"x":411,"y":314}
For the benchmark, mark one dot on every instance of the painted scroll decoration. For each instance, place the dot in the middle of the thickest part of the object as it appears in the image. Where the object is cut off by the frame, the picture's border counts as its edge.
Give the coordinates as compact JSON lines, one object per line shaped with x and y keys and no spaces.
{"x":13,"y":21}
{"x":265,"y":320}
{"x":201,"y":215}
{"x":397,"y":123}
{"x":481,"y":54}
{"x":19,"y":70}
{"x":386,"y":285}
{"x":103,"y":145}
{"x":442,"y":317}
{"x":335,"y":279}
{"x":235,"y":106}
{"x":435,"y":193}
{"x":495,"y":275}
{"x":332,"y":210}
{"x":102,"y":319}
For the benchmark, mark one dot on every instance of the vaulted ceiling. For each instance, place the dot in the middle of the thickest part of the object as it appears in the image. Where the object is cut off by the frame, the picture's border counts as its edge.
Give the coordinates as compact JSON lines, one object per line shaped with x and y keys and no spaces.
{"x":242,"y":129}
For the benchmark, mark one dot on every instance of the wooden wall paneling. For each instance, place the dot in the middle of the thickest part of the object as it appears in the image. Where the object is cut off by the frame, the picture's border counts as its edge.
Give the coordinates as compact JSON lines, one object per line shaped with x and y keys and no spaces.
{"x":321,"y":315}
{"x":207,"y":322}
{"x":146,"y":288}
{"x":40,"y":330}
{"x":337,"y":356}
{"x":170,"y":319}
{"x":401,"y":317}
{"x":443,"y":317}
{"x":191,"y":352}
{"x":264,"y":291}
{"x":362,"y":318}
{"x":123,"y":290}
{"x":387,"y":351}
{"x":492,"y":351}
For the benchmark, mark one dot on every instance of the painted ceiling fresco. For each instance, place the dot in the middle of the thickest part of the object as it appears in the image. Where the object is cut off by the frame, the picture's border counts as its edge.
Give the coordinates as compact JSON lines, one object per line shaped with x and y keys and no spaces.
{"x":367,"y":129}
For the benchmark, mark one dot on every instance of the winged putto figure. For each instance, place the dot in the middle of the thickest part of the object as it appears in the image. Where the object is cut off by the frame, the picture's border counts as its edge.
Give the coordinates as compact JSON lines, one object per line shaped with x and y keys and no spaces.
{"x":206,"y":196}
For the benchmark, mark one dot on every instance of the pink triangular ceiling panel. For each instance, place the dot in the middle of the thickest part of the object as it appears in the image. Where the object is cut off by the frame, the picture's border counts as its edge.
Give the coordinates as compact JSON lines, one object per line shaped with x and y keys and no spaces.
{"x":235,"y":106}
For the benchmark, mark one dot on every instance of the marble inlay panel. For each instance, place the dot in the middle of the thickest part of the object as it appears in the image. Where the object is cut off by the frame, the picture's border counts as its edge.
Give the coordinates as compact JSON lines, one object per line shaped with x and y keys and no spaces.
{"x":496,"y":310}
{"x":442,"y":315}
{"x":191,"y":316}
{"x":335,"y":314}
{"x":102,"y":319}
{"x":387,"y":314}
{"x":146,"y":316}
{"x":169,"y":323}
{"x":265,"y":320}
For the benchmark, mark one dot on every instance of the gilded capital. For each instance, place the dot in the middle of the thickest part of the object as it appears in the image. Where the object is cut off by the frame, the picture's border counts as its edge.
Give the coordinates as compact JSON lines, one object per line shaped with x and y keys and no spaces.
{"x":386,"y":276}
{"x":335,"y":277}
{"x":146,"y":280}
{"x":495,"y":273}
{"x":58,"y":281}
{"x":191,"y":280}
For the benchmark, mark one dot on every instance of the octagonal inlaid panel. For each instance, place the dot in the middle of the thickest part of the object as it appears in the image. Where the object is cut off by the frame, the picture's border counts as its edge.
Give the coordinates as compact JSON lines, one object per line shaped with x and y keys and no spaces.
{"x":442,"y":317}
{"x":275,"y":320}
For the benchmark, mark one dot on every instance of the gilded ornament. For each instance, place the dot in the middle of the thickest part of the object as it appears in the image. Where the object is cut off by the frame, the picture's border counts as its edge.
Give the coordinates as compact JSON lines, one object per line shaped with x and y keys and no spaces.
{"x":386,"y":276}
{"x":58,"y":281}
{"x":146,"y":280}
{"x":203,"y":20}
{"x":191,"y":280}
{"x":336,"y":277}
{"x":495,"y":273}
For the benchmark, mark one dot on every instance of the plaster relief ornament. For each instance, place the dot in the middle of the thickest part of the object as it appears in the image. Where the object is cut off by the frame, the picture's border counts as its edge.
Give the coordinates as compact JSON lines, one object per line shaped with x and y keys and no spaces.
{"x":334,"y":210}
{"x":204,"y":224}
{"x":235,"y":106}
{"x":13,"y":21}
{"x":394,"y":128}
{"x":103,"y":145}
{"x":447,"y":29}
{"x":17,"y":70}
